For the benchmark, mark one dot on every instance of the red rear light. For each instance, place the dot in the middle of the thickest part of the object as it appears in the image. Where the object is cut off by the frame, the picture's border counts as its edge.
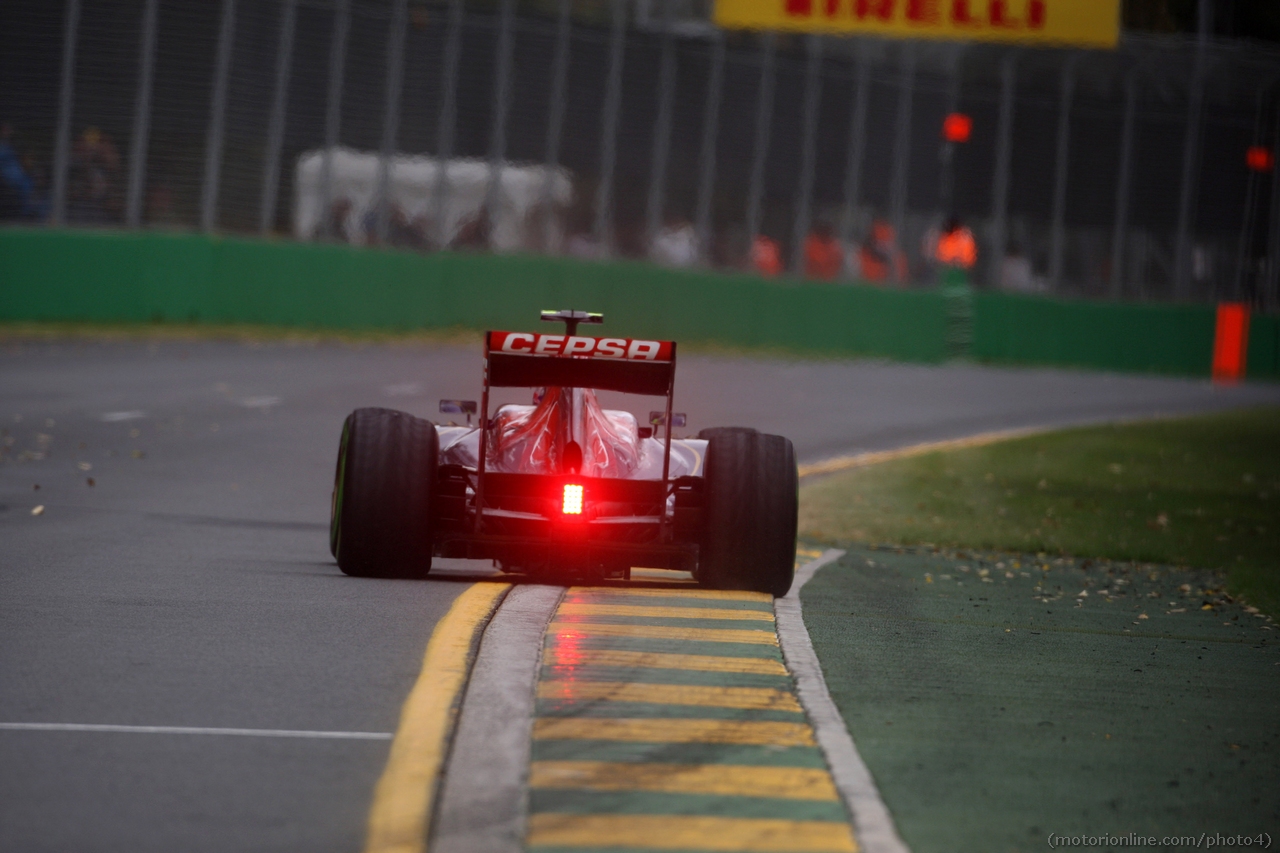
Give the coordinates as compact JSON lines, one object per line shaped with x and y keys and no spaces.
{"x":572,"y":504}
{"x":956,"y":127}
{"x":1259,"y":159}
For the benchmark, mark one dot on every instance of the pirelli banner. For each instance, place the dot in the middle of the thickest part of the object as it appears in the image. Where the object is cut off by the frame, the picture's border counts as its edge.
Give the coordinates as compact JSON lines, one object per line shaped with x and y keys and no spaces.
{"x":1083,"y":23}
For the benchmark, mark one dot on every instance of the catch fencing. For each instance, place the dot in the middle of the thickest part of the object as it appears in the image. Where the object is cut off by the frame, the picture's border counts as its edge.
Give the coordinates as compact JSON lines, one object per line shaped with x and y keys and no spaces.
{"x":634,"y":128}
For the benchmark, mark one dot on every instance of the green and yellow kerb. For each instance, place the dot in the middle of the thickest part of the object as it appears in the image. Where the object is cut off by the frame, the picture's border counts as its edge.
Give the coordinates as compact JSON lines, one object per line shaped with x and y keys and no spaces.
{"x":667,"y":721}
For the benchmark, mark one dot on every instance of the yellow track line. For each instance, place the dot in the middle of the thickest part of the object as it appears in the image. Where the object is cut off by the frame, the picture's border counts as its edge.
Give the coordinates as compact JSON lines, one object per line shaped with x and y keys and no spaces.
{"x":726,"y":780}
{"x":861,"y":460}
{"x":556,"y":656}
{"x":573,"y":608}
{"x":760,"y":637}
{"x":745,"y":698}
{"x":644,"y":730}
{"x":577,"y":593}
{"x":401,"y":814}
{"x":687,"y":832}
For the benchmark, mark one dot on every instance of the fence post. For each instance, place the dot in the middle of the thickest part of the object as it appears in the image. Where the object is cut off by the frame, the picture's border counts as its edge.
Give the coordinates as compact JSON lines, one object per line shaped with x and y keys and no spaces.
{"x":902,"y":140}
{"x":1004,"y":154}
{"x":609,"y":127}
{"x":764,"y":119}
{"x":1186,"y":197}
{"x":707,"y":154}
{"x":1061,"y":166}
{"x":662,"y":128}
{"x":1271,"y":297}
{"x":857,"y":145}
{"x":1250,"y":197}
{"x":501,"y":104}
{"x":66,"y":97}
{"x":141,"y":117}
{"x":391,"y":114}
{"x":275,"y":129}
{"x":444,"y":128}
{"x":555,"y":118}
{"x":1120,"y":228}
{"x":333,"y":114}
{"x":947,"y":150}
{"x":809,"y":132}
{"x":217,"y":116}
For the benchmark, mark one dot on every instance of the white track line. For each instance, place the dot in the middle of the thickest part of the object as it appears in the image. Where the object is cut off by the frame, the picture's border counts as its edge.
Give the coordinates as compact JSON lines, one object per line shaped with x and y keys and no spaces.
{"x":872,"y":821}
{"x":191,"y":730}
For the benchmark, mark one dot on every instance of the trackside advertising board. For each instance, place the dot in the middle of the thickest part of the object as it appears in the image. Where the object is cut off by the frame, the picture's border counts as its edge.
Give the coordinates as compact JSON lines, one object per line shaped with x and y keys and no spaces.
{"x":1084,"y":23}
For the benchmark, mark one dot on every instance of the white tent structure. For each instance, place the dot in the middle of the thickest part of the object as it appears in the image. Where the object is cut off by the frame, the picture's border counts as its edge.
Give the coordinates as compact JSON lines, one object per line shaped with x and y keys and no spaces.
{"x":413,"y":181}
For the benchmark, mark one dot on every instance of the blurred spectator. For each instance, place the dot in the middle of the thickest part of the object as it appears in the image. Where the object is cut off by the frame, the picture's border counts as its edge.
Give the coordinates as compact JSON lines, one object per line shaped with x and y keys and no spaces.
{"x":823,"y":255}
{"x":880,"y":258}
{"x":402,"y":233}
{"x":18,"y":196}
{"x":730,"y":246}
{"x":953,"y":247}
{"x":1201,"y":262}
{"x":369,"y":227}
{"x":406,"y":233}
{"x":584,"y":245}
{"x":473,"y":233}
{"x":94,"y":169}
{"x":630,"y":239}
{"x":766,"y":256}
{"x":675,"y":245}
{"x":334,"y":226}
{"x":1016,"y":274}
{"x":160,"y":206}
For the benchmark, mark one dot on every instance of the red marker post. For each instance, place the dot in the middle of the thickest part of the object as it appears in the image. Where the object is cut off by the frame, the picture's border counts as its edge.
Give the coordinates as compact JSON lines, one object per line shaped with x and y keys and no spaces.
{"x":1231,"y":342}
{"x":1259,"y":158}
{"x":956,"y":127}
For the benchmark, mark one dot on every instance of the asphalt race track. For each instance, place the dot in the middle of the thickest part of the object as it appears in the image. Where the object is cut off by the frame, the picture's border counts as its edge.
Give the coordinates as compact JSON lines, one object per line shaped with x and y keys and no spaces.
{"x":191,"y":584}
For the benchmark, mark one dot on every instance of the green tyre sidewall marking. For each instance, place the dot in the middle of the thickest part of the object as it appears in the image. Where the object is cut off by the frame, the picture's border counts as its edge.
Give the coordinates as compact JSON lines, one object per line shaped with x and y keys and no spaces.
{"x":339,"y":480}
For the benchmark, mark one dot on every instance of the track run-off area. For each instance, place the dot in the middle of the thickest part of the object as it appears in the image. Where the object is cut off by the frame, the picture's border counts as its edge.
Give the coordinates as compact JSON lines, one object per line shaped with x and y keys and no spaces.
{"x":184,"y":667}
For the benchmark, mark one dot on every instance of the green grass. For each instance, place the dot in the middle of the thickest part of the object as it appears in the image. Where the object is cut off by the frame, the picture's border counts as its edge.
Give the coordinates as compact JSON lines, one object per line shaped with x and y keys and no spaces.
{"x":996,"y":701}
{"x":1201,"y":492}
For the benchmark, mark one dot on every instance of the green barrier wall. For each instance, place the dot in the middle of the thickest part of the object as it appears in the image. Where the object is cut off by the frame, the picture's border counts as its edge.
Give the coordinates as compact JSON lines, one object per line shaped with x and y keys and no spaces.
{"x":105,"y":276}
{"x":112,"y":276}
{"x":1115,"y":336}
{"x":1264,"y":348}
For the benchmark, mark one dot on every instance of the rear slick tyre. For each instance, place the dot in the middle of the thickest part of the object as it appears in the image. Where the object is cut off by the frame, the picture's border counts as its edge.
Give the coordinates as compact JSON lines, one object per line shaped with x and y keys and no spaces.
{"x":380,"y":521}
{"x":752,"y":508}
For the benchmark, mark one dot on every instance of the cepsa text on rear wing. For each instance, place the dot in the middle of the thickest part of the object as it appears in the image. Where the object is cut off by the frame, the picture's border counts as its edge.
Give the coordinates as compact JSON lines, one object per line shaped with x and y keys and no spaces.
{"x":633,"y":349}
{"x":629,"y":365}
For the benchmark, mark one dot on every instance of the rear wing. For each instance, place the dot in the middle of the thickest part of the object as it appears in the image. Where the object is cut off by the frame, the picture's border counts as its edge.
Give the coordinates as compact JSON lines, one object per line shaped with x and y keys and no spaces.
{"x":630,"y":365}
{"x":529,"y":360}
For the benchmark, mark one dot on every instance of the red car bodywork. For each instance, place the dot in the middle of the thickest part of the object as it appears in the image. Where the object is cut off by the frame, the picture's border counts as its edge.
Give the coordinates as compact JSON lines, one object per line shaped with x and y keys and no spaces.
{"x":504,"y":498}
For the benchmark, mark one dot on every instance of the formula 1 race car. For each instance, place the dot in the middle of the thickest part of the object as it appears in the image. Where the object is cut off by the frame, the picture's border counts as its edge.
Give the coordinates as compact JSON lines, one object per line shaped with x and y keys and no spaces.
{"x":565,"y":489}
